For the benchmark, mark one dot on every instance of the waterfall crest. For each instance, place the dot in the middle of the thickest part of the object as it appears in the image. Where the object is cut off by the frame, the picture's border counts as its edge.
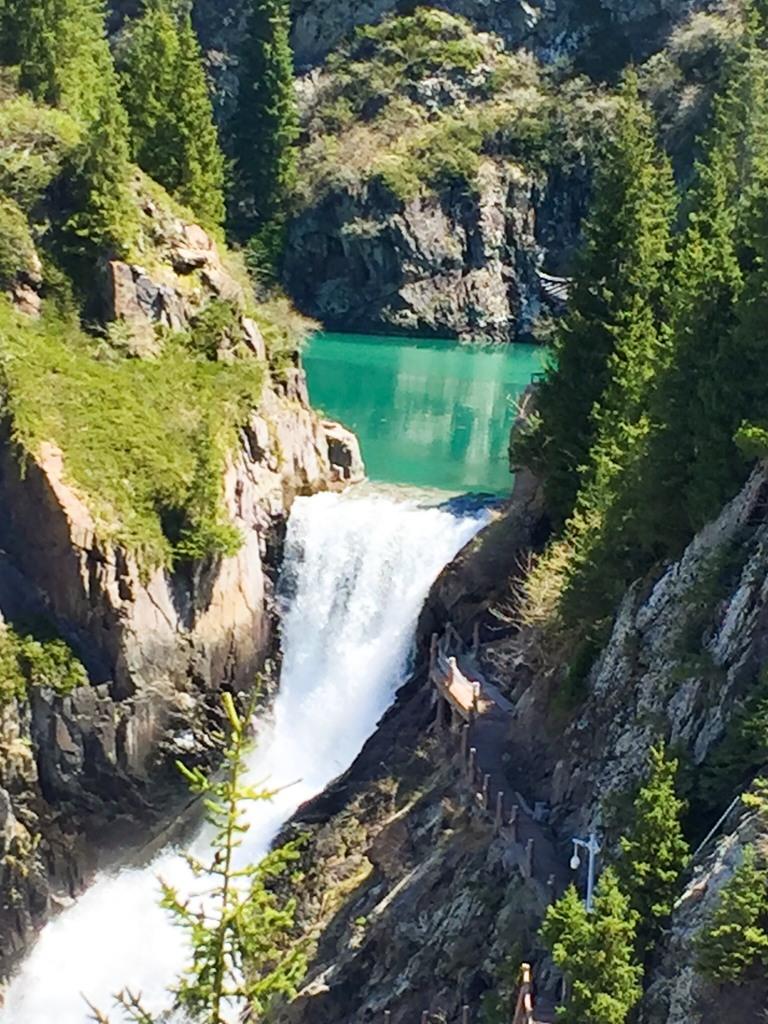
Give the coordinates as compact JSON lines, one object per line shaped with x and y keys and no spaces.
{"x":357,"y":570}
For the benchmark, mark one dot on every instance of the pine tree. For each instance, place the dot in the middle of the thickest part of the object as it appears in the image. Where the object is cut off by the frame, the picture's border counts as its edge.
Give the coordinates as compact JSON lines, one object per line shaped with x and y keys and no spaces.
{"x":654,"y":852}
{"x":65,"y":60}
{"x":241,"y":954}
{"x":735,"y":940}
{"x":700,"y":399}
{"x":595,"y":951}
{"x":201,"y":162}
{"x":265,"y":130}
{"x":166,"y":94}
{"x":105,"y":215}
{"x":748,"y":339}
{"x":9,"y":30}
{"x":63,"y":54}
{"x":615,"y":309}
{"x":147,"y":60}
{"x":685,"y":460}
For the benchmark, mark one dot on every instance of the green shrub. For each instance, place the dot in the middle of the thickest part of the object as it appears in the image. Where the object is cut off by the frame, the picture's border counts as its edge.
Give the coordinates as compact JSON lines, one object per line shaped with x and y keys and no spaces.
{"x":734,"y":942}
{"x":36,"y":657}
{"x":35,"y":142}
{"x":216,"y":326}
{"x":382,"y":58}
{"x":752,"y":441}
{"x":17,"y":250}
{"x":144,"y":441}
{"x":285,"y":332}
{"x":371,"y":120}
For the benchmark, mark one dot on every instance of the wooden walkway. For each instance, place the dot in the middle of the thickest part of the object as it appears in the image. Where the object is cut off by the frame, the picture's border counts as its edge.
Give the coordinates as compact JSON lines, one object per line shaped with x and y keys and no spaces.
{"x":475,"y":711}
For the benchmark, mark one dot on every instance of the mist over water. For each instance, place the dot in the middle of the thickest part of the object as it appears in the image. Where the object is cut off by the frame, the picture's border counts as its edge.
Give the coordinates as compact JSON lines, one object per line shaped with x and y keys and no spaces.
{"x":357,"y":570}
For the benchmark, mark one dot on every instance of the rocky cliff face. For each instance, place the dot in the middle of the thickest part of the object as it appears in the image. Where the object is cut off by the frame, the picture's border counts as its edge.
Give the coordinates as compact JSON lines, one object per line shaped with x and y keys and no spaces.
{"x":460,"y":254}
{"x":445,"y":171}
{"x":449,"y":264}
{"x":425,"y":908}
{"x":95,"y":767}
{"x":551,"y":26}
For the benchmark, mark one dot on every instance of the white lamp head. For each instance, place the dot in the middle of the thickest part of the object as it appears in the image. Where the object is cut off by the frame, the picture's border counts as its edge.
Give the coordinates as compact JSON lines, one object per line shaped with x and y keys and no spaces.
{"x":575,"y":862}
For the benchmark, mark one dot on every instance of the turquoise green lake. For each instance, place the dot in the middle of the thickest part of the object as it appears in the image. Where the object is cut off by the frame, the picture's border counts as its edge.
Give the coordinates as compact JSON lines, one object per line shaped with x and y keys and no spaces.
{"x":428,"y":413}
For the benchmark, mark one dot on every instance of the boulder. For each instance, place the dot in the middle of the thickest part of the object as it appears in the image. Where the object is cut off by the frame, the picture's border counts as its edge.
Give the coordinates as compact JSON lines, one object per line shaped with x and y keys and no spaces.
{"x":26,"y":298}
{"x":343,"y":454}
{"x":254,"y":339}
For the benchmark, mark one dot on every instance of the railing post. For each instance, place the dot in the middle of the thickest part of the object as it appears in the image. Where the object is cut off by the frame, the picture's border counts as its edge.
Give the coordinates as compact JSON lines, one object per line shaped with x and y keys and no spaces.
{"x":513,"y":816}
{"x":472,"y":764}
{"x":387,"y":1016}
{"x":499,"y":811}
{"x":464,"y":743}
{"x":440,"y":718}
{"x":529,"y":858}
{"x":425,"y":1017}
{"x":486,"y":791}
{"x":475,"y":698}
{"x":551,"y":888}
{"x":465,"y":1015}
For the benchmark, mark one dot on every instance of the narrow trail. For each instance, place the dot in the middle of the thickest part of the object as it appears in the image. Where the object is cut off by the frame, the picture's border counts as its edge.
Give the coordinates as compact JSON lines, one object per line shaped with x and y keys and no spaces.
{"x":470,"y":707}
{"x":484,"y":713}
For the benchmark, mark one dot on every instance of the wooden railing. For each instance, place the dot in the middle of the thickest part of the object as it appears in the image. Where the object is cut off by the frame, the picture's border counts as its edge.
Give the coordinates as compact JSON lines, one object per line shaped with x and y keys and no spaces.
{"x":524,"y":1012}
{"x":468,"y":701}
{"x":524,"y":1007}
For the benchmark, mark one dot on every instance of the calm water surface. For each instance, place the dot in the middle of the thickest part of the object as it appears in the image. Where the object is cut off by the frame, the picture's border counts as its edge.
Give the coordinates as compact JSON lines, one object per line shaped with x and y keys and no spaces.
{"x":429,"y":413}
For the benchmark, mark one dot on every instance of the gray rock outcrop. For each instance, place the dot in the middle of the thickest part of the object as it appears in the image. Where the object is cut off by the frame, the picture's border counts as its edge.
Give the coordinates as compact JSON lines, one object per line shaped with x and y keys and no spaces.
{"x":551,"y":26}
{"x":451,"y":265}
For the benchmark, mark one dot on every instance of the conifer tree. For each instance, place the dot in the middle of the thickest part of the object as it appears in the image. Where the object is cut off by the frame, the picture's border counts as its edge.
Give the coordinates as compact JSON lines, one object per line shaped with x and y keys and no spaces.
{"x":64,"y":55}
{"x":147,"y":59}
{"x":693,"y":462}
{"x":166,"y":94}
{"x":65,"y":60}
{"x":241,"y":955}
{"x":748,"y":340}
{"x":265,"y":131}
{"x":595,"y":951}
{"x":611,"y":334}
{"x":105,"y":215}
{"x":735,"y":940}
{"x":9,"y":29}
{"x":654,"y":852}
{"x":201,"y":162}
{"x":686,"y":461}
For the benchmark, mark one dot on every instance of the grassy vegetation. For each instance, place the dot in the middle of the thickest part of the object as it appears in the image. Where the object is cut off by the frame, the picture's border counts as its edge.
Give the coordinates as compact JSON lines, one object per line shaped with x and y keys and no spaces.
{"x":416,"y":102}
{"x":17,"y":250}
{"x":36,"y":657}
{"x":144,"y":441}
{"x":285,"y":331}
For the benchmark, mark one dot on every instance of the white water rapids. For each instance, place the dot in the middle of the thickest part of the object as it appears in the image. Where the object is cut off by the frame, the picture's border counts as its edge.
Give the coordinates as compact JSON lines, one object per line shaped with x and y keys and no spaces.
{"x":357,"y":570}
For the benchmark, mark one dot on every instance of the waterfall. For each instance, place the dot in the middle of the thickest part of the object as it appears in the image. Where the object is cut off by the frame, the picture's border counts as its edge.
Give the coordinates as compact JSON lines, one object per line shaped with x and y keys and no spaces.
{"x":357,"y":570}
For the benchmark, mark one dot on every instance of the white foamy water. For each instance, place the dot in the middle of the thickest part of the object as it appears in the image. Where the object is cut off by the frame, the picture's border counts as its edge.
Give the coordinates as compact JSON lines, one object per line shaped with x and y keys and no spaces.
{"x":357,"y":570}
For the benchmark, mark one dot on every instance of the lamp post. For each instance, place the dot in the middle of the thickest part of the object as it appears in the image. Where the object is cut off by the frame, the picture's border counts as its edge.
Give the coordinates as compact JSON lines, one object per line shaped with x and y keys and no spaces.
{"x":592,"y":847}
